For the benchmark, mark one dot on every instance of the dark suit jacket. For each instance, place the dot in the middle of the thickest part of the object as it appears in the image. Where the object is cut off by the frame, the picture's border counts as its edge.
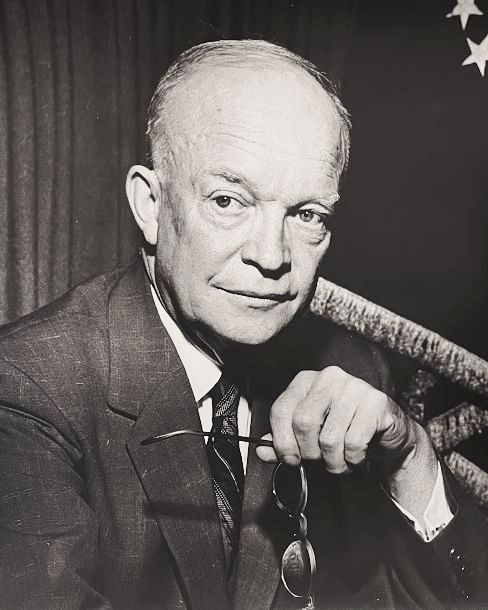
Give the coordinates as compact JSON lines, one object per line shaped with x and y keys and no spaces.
{"x":89,"y":518}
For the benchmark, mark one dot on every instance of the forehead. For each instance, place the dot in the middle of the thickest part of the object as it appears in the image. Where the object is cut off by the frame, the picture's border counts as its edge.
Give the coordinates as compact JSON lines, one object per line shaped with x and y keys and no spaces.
{"x":255,"y":116}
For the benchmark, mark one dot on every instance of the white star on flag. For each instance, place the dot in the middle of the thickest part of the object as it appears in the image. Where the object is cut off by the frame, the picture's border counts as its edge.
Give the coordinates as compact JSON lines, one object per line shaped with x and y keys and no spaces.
{"x":463,"y":10}
{"x":479,"y":54}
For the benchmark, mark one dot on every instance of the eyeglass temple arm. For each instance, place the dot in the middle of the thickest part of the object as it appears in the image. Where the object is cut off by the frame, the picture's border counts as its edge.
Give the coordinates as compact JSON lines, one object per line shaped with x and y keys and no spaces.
{"x":247,"y":439}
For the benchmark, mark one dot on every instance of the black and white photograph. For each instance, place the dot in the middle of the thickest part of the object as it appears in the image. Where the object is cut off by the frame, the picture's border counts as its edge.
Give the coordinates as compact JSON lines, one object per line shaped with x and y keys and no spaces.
{"x":243,"y":304}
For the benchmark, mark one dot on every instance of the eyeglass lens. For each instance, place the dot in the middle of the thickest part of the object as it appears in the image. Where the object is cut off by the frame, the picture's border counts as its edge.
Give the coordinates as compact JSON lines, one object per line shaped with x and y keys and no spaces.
{"x":298,"y":562}
{"x":290,"y":488}
{"x":296,"y":568}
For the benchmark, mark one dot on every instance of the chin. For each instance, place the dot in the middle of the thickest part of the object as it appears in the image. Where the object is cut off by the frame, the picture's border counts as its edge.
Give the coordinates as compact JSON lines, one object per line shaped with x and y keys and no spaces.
{"x":249,"y":332}
{"x":236,"y":325}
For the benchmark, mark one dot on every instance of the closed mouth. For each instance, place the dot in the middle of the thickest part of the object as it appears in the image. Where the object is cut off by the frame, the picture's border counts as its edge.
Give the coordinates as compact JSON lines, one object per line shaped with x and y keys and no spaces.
{"x":260,"y":296}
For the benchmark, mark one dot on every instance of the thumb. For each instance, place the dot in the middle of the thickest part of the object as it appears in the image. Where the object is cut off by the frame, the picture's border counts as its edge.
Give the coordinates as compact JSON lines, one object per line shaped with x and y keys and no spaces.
{"x":266,"y":454}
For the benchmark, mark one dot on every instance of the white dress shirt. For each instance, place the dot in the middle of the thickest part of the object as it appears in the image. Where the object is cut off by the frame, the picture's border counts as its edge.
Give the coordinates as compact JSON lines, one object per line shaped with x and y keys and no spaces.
{"x":203,"y":373}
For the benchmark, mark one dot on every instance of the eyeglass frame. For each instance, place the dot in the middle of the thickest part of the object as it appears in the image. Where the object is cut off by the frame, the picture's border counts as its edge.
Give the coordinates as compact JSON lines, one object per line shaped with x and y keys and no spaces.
{"x":300,"y":536}
{"x":297,"y":514}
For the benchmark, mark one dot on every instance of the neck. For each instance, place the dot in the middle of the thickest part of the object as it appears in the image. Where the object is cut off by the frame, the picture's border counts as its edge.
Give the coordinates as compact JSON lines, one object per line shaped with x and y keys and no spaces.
{"x":214,"y":349}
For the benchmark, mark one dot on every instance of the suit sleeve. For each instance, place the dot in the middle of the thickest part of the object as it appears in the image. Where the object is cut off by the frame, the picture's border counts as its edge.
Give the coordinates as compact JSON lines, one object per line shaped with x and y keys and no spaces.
{"x":48,"y":533}
{"x":450,"y":571}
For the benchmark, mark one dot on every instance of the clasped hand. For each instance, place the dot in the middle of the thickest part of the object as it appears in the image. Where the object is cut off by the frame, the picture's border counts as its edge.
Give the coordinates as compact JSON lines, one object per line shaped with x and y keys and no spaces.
{"x":333,"y":416}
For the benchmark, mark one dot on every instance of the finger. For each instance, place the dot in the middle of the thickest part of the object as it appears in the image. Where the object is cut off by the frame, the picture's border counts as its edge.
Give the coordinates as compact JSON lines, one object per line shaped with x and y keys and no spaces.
{"x":307,"y":421}
{"x":333,"y":435}
{"x":361,"y":431}
{"x":379,"y":430}
{"x":281,"y":418}
{"x":396,"y":431}
{"x":266,"y":454}
{"x":312,"y":411}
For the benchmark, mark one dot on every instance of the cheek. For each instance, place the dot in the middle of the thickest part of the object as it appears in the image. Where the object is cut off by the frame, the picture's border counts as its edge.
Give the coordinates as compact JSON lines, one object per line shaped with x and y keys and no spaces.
{"x":197,"y":258}
{"x":207,"y":246}
{"x":306,"y":260}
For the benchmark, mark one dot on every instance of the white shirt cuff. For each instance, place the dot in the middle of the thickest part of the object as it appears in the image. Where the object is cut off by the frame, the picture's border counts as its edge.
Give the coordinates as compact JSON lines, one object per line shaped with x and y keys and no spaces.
{"x":437,"y":514}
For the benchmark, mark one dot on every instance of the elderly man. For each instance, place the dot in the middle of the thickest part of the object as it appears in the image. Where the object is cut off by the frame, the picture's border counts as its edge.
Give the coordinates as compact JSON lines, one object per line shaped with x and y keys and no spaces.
{"x":99,"y":510}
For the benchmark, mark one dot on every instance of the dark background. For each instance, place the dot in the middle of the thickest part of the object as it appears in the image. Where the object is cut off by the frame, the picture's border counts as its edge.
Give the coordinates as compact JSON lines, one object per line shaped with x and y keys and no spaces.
{"x":76,"y":78}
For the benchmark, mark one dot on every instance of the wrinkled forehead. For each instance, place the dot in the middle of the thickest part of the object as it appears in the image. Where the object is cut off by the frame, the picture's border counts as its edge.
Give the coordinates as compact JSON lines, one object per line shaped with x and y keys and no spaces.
{"x":274,"y":106}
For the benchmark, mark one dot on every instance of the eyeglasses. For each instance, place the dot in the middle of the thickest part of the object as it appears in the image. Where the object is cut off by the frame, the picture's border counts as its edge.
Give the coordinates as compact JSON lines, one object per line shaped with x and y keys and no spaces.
{"x":290,"y":491}
{"x":298,"y":565}
{"x":212,"y":434}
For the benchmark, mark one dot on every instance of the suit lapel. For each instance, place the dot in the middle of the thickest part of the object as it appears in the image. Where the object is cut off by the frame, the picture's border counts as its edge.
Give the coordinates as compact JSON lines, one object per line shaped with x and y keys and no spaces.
{"x":257,"y":572}
{"x":149,"y":384}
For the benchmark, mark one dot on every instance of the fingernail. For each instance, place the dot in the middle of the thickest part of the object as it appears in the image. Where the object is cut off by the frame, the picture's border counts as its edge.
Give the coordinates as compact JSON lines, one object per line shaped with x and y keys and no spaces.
{"x":291,"y":460}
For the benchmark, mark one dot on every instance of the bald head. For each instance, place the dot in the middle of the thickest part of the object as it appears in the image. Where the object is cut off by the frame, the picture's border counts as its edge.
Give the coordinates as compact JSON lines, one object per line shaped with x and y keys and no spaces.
{"x":227,"y":68}
{"x":248,"y":143}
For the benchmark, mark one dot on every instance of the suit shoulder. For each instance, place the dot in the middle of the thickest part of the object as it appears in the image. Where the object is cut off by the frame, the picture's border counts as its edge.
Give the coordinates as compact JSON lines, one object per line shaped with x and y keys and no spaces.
{"x":78,"y":307}
{"x":61,"y":344}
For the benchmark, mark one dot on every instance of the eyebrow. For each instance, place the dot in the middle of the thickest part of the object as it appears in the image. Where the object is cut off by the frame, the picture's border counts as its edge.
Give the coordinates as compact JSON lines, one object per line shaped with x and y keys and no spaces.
{"x":232,"y":178}
{"x":328,"y":200}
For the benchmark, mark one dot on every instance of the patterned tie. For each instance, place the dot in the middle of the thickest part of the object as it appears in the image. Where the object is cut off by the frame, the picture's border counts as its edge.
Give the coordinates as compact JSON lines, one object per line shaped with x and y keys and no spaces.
{"x":225,"y":461}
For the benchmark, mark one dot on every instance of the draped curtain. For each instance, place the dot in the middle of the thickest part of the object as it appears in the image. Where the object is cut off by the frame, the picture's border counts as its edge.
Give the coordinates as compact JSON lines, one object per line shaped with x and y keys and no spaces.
{"x":75,"y":81}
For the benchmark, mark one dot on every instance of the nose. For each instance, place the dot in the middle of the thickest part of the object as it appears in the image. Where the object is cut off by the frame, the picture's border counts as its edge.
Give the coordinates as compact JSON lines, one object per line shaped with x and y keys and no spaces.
{"x":267,"y":245}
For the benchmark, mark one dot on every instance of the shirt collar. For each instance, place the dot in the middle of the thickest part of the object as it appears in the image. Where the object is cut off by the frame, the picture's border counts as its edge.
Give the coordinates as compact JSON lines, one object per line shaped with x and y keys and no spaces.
{"x":203,"y":373}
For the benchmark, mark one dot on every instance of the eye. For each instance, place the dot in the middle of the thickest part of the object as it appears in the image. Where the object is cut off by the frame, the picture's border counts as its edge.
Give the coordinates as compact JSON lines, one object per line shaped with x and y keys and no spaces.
{"x":224,"y":201}
{"x":226,"y":206}
{"x":311,"y":217}
{"x":308,"y":216}
{"x":311,"y":223}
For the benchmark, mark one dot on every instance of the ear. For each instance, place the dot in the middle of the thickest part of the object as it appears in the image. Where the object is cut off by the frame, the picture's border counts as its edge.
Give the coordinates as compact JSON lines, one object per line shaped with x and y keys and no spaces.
{"x":144,"y":194}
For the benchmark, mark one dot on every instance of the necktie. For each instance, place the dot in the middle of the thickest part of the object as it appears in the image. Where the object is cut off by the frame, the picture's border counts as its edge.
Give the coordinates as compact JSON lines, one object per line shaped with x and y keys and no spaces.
{"x":226,"y":464}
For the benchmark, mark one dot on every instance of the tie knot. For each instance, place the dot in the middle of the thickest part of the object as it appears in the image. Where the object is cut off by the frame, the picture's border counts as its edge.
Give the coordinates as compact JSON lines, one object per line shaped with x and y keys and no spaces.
{"x":225,"y":397}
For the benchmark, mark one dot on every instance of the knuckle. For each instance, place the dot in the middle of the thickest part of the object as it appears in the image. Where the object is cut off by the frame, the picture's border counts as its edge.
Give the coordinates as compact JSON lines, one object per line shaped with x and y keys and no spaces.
{"x":284,"y":444}
{"x":281,"y":408}
{"x":304,"y":376}
{"x":333,"y":372}
{"x":354,"y":457}
{"x":329,"y":442}
{"x":355,"y":443}
{"x":303,"y":422}
{"x":379,"y":397}
{"x":390,"y":421}
{"x":365,"y":393}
